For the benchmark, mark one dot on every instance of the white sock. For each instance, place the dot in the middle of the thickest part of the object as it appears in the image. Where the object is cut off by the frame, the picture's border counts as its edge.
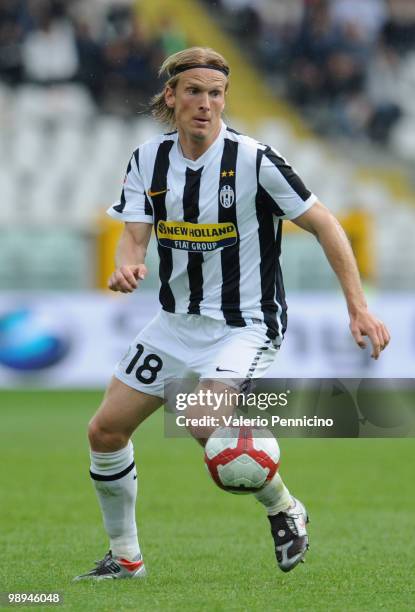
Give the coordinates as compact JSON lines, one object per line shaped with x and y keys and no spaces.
{"x":275,"y":496}
{"x":115,"y":480}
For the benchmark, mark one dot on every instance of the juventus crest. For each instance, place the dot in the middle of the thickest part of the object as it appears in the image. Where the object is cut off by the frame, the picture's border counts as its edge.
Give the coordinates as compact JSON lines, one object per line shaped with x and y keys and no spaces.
{"x":226,"y":196}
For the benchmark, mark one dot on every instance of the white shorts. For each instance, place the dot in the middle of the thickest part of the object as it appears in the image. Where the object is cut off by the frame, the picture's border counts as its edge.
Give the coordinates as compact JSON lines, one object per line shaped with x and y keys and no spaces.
{"x":179,"y":346}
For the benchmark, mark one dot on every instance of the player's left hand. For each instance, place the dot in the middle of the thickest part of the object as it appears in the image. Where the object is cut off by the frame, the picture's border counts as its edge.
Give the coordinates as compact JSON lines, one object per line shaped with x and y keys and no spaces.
{"x":365,"y":324}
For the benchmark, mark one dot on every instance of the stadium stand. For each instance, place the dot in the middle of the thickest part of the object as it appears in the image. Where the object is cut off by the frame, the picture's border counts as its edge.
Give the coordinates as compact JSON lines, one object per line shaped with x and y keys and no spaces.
{"x":74,"y":77}
{"x":347,"y":64}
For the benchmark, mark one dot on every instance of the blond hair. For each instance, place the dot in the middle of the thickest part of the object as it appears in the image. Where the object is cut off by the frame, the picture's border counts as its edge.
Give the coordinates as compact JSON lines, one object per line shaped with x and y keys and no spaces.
{"x":194,"y":55}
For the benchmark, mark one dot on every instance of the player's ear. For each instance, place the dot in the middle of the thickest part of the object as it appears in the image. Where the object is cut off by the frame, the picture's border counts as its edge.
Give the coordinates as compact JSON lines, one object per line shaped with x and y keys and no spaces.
{"x":169,"y":96}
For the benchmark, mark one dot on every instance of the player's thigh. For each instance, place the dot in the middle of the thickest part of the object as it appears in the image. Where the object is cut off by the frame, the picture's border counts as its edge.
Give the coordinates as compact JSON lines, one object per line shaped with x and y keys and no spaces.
{"x":215,"y":404}
{"x":122,"y":410}
{"x":225,"y":367}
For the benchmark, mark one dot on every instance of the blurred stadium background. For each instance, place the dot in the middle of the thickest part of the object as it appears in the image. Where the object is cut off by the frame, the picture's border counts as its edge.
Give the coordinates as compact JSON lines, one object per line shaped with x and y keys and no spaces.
{"x":330,"y":83}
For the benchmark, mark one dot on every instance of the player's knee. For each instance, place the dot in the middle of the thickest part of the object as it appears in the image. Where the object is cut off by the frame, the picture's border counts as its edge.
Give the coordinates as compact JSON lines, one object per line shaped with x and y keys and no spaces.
{"x":102,"y":439}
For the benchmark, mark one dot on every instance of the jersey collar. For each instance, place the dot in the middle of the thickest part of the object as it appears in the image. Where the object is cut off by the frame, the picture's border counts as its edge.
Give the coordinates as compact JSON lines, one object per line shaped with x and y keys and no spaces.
{"x":208,"y":155}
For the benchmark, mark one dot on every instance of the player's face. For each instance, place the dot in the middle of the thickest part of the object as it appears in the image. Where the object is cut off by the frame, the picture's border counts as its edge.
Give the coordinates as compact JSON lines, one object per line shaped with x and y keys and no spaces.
{"x":198,"y":101}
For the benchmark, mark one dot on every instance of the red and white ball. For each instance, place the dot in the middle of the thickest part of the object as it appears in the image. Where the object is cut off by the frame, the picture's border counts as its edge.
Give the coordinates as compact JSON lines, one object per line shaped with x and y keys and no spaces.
{"x":242,"y":459}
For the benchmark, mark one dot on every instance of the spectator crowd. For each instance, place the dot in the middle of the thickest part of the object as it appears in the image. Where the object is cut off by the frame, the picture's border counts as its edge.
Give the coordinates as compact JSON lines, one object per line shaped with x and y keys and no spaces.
{"x":98,"y":43}
{"x":344,"y":63}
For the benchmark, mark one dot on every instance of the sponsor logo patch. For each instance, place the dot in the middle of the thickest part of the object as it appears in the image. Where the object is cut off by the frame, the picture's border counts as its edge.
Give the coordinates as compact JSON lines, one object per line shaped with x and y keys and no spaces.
{"x":196,"y":237}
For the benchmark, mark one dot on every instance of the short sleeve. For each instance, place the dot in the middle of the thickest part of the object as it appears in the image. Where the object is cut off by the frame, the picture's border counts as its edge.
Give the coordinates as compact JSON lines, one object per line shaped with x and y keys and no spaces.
{"x":133,"y":204}
{"x":281,"y":188}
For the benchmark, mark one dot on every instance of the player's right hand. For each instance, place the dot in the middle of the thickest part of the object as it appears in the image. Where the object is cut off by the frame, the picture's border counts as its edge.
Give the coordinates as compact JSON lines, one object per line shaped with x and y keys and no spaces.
{"x":126,"y":278}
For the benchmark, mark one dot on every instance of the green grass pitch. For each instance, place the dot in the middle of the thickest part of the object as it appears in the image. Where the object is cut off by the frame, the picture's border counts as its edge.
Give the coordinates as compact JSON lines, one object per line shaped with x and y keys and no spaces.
{"x":204,"y":549}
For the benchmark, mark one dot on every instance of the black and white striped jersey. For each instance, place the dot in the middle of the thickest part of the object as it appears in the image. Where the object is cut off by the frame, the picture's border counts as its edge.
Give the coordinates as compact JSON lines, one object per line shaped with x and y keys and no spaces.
{"x":218,"y":223}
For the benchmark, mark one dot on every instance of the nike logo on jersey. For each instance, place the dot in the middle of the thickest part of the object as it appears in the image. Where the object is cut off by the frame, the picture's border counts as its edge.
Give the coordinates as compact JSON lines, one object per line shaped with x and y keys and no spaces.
{"x":156,"y":193}
{"x":222,"y":370}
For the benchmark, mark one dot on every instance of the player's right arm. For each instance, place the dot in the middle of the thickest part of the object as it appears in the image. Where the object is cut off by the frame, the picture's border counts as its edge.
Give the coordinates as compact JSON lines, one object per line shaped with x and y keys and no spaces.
{"x":130,"y":256}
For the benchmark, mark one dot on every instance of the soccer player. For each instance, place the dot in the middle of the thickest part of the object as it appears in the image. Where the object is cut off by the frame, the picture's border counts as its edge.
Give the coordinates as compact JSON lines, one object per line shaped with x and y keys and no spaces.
{"x":216,"y":200}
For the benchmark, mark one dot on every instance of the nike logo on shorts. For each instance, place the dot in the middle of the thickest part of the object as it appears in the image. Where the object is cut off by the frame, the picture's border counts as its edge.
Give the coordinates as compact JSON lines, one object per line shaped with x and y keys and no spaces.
{"x":222,"y":370}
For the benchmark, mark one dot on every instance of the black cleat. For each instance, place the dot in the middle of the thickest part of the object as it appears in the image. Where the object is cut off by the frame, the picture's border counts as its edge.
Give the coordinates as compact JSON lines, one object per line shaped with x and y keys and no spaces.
{"x":115,"y":567}
{"x":288,"y":529}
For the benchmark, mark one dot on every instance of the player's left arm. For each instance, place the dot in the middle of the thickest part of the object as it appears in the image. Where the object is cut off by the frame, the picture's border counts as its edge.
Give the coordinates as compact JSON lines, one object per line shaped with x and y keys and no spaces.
{"x":326,"y":228}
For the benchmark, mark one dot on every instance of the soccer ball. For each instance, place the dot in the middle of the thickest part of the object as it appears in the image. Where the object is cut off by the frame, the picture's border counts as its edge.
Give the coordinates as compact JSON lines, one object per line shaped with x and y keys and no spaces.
{"x":242,"y":459}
